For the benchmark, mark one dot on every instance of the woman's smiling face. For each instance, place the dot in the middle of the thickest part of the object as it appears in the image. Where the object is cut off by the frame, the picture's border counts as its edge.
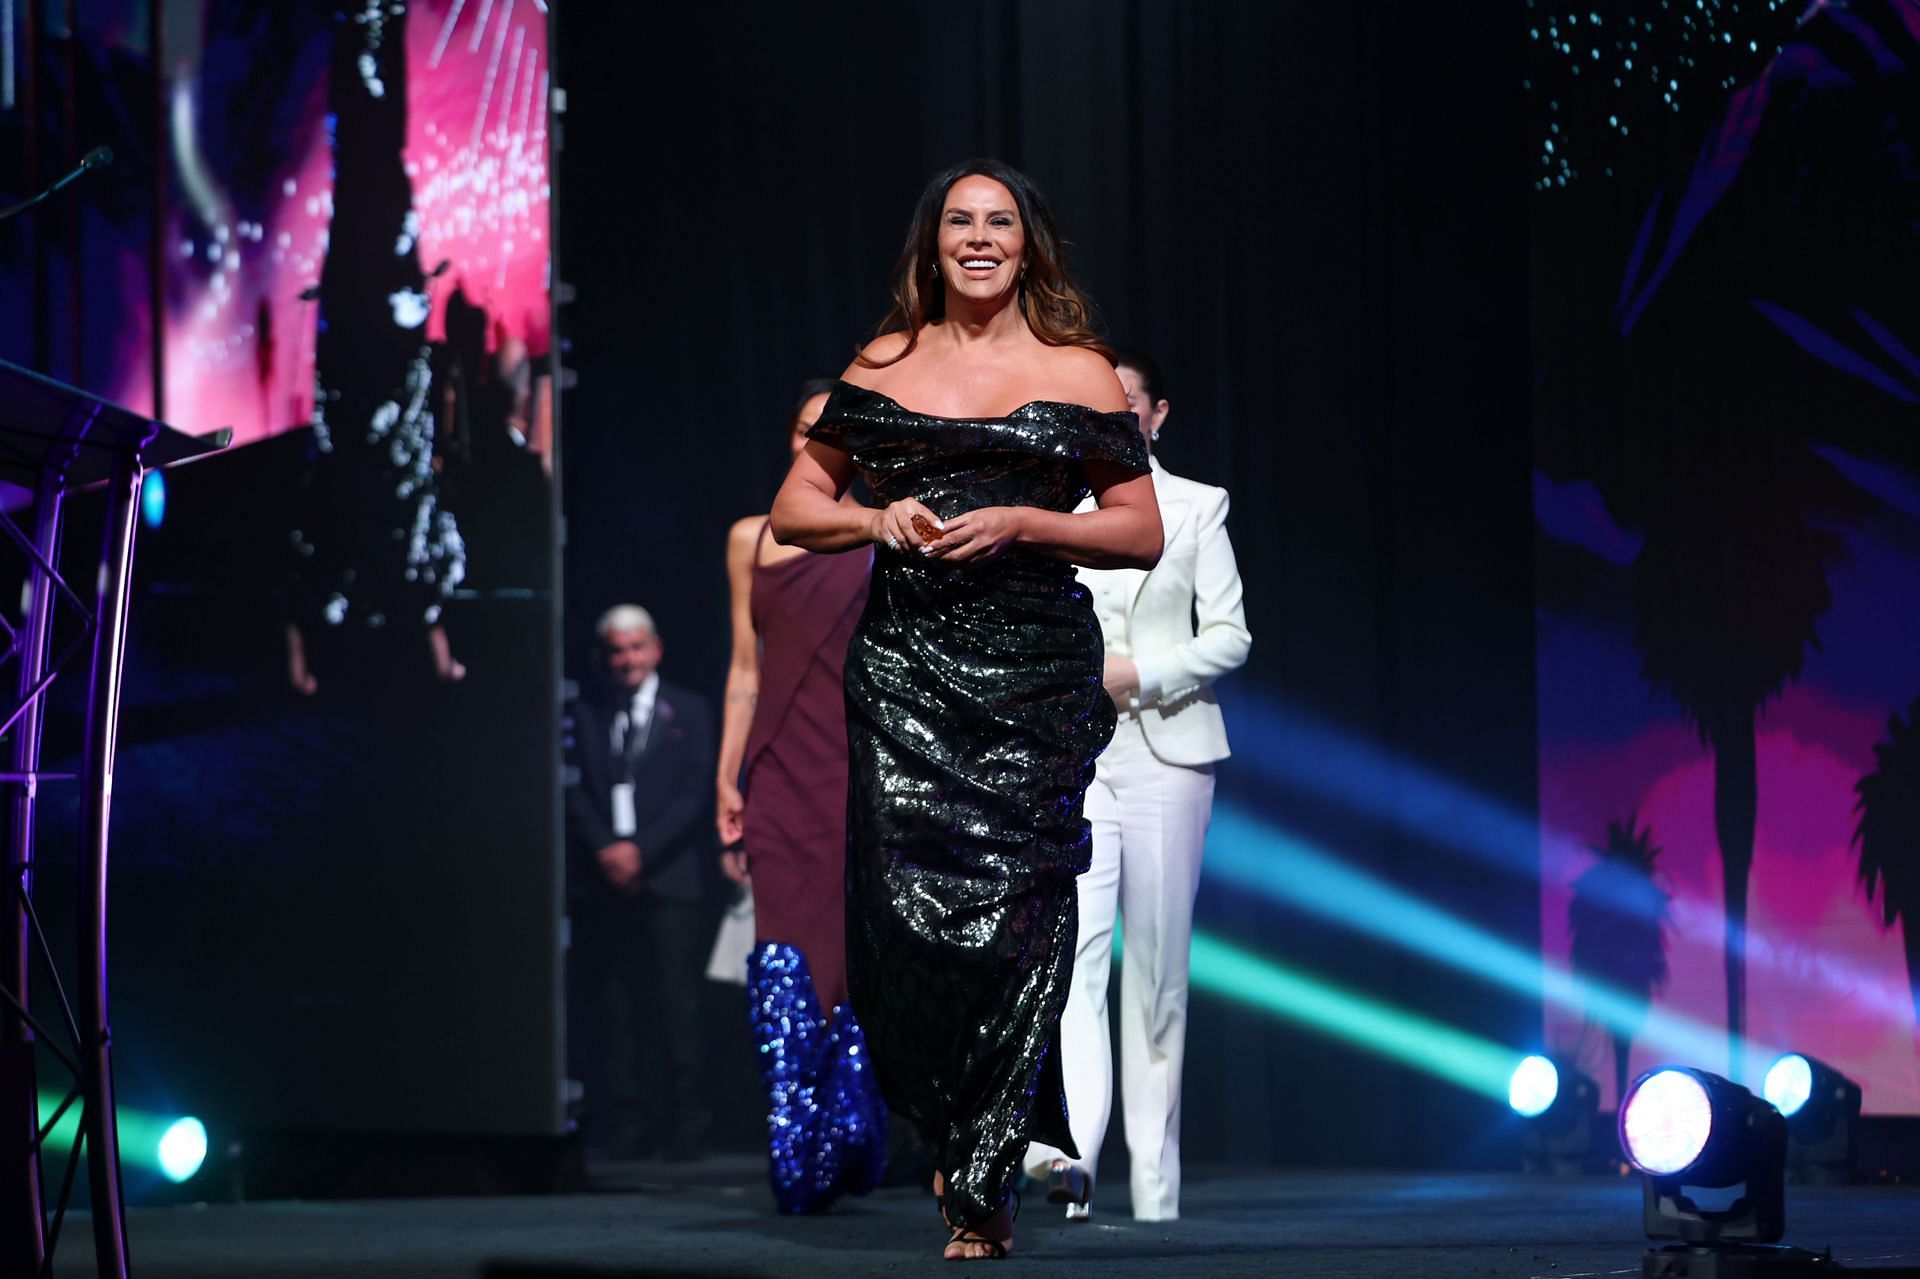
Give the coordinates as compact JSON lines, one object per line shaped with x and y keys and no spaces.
{"x":982,"y":246}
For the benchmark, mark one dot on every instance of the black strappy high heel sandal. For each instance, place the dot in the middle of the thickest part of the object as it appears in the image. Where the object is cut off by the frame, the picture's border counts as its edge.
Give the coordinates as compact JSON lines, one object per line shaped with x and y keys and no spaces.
{"x":996,"y":1251}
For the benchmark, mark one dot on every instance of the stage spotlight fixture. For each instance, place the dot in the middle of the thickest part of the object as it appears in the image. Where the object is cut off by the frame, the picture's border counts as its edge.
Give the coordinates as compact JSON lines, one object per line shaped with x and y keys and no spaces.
{"x":1690,"y":1130}
{"x":1558,"y":1101}
{"x":1534,"y":1087}
{"x":1822,"y":1107}
{"x":183,"y":1148}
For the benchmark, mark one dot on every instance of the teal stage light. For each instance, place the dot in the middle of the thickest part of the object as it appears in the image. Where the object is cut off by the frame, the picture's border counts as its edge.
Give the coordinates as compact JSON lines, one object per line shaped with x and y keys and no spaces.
{"x":1259,"y":857}
{"x":1534,"y":1087}
{"x":1788,"y":1084}
{"x":153,"y":499}
{"x":1822,"y":1107}
{"x":1231,"y":972}
{"x":182,"y":1149}
{"x":173,"y":1146}
{"x":1557,"y":1102}
{"x":1446,"y":1052}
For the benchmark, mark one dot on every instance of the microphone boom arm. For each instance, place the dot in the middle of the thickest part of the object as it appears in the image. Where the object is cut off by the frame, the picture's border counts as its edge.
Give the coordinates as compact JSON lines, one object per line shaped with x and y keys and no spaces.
{"x":98,"y":158}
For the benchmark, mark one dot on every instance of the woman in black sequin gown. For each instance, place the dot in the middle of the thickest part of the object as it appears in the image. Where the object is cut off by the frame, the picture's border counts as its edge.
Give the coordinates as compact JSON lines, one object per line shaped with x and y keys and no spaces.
{"x":974,"y":702}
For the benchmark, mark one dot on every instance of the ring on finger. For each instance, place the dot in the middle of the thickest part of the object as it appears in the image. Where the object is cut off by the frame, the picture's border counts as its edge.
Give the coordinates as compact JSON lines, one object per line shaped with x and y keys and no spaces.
{"x":893,"y":543}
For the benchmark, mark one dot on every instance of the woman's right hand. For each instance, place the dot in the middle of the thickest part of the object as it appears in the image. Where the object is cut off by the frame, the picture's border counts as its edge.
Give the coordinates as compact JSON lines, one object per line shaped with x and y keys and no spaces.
{"x":729,"y":819}
{"x":892,"y":528}
{"x":730,"y":810}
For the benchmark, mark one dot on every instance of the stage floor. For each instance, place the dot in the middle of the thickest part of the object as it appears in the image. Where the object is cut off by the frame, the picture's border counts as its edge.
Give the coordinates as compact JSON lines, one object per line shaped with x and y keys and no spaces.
{"x":716,"y":1218}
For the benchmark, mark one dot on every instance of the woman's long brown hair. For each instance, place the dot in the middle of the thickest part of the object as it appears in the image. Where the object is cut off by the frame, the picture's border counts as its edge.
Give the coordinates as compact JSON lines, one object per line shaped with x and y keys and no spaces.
{"x":1057,"y":310}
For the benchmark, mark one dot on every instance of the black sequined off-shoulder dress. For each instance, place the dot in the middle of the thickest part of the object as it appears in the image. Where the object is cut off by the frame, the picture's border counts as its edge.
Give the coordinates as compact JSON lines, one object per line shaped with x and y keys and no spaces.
{"x":974,"y":713}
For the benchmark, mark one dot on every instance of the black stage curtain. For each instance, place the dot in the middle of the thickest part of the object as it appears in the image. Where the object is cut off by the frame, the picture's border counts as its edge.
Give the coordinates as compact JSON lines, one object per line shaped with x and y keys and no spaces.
{"x":1312,"y":214}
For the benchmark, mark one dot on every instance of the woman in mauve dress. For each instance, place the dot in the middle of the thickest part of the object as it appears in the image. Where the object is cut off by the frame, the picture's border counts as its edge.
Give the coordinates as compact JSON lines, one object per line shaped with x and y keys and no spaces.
{"x":781,"y":806}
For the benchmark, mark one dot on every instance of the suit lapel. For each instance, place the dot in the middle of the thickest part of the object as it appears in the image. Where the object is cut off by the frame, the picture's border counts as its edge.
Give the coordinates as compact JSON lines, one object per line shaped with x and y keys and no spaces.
{"x":1174,"y":514}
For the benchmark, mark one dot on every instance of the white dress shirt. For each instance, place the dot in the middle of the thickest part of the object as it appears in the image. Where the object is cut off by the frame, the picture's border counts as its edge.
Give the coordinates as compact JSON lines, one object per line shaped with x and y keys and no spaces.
{"x":631,"y":726}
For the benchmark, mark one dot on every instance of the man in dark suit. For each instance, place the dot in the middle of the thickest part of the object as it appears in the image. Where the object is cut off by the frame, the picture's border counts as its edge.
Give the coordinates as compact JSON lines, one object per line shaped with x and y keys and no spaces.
{"x":638,"y":838}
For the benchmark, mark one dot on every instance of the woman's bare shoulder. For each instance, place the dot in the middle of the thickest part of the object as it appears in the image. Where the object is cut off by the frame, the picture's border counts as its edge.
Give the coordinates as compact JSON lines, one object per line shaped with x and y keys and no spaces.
{"x":876,"y":360}
{"x":743,"y":540}
{"x":1084,"y":376}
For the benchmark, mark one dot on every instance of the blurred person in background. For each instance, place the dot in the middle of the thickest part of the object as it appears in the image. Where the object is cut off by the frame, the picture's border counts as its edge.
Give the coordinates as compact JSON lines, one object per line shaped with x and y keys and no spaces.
{"x":642,"y":750}
{"x":1170,"y":631}
{"x":781,"y":813}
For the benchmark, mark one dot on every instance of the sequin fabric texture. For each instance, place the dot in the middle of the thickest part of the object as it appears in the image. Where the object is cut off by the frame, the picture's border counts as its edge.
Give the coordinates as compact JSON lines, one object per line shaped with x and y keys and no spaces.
{"x":827,"y":1126}
{"x":974,"y":714}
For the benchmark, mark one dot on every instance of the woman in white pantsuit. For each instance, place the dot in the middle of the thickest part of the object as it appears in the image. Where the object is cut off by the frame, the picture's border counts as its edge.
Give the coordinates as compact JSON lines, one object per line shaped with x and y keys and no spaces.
{"x":1170,"y":632}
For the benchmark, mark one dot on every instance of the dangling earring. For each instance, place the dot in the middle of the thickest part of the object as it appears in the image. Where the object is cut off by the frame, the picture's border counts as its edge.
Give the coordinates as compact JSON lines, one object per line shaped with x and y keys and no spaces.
{"x":933,"y":269}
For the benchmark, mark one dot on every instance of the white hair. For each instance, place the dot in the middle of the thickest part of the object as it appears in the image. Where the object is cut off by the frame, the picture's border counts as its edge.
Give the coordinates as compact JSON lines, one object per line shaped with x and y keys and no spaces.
{"x":625,"y":617}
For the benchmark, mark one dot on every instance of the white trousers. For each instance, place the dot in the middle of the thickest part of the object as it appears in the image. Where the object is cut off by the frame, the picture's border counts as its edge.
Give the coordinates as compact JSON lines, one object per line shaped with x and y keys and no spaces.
{"x":1149,"y":824}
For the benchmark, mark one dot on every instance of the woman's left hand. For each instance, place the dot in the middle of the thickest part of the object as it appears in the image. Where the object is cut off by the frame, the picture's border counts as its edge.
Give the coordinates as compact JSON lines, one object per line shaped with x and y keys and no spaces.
{"x":980,"y":534}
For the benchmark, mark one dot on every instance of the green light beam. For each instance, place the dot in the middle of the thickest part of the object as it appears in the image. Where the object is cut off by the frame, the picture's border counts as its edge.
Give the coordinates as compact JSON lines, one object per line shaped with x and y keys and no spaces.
{"x":140,"y":1133}
{"x":1476,"y":1064}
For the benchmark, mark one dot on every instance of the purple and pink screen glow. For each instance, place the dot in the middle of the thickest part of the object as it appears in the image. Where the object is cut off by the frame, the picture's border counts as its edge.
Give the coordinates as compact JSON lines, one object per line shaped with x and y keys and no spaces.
{"x":239,"y":336}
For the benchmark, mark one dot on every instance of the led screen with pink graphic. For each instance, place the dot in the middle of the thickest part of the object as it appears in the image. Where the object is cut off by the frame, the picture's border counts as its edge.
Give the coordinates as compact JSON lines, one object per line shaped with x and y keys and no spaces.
{"x":1727,"y":504}
{"x":252,"y":211}
{"x":340,"y":678}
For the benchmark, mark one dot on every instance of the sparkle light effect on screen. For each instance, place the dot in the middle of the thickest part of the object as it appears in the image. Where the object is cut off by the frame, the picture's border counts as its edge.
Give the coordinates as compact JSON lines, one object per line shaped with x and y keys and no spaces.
{"x":477,"y":155}
{"x":1600,"y":76}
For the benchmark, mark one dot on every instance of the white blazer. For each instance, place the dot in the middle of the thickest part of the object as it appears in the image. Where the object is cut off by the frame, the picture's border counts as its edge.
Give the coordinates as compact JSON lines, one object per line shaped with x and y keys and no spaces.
{"x":1185,"y":626}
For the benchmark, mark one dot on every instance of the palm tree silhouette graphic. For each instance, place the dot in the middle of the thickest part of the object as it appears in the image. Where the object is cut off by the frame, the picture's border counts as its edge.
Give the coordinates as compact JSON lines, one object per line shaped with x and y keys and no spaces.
{"x":1728,"y":588}
{"x":1618,"y":918}
{"x":1889,"y":837}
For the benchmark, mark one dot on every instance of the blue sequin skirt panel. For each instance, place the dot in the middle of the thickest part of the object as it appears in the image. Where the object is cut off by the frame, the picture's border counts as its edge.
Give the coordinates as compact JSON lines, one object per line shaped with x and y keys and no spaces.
{"x":826,"y":1121}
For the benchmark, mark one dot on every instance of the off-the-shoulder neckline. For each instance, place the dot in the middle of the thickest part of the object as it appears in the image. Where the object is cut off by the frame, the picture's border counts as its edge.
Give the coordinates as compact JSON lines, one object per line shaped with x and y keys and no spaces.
{"x":1007,"y":417}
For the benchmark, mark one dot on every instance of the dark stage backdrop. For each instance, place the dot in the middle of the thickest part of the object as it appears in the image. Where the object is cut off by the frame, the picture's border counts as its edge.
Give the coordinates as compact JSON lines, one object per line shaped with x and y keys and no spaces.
{"x":1313,"y":215}
{"x":1728,"y":507}
{"x":336,"y":907}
